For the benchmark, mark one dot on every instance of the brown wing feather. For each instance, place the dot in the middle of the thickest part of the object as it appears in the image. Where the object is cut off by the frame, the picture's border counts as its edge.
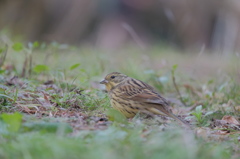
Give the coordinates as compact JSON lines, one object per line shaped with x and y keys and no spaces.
{"x":141,"y":93}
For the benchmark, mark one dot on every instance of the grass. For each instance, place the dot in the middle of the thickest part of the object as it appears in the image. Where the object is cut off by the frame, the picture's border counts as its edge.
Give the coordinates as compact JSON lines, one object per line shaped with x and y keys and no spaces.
{"x":113,"y":142}
{"x":65,"y":113}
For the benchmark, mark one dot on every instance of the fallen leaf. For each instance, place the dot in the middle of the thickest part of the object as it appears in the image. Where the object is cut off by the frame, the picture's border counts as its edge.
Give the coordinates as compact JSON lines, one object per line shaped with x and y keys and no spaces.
{"x":45,"y":102}
{"x":15,"y":81}
{"x":222,"y":132}
{"x":237,"y":108}
{"x":48,"y":82}
{"x":231,"y":120}
{"x":223,"y":124}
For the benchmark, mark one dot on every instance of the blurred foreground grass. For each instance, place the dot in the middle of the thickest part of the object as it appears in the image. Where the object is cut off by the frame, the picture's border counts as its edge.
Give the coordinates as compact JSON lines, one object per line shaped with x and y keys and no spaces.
{"x":60,"y":84}
{"x":114,"y":142}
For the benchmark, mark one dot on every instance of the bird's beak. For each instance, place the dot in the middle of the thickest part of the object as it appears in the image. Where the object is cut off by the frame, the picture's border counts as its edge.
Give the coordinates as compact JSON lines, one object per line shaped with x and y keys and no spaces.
{"x":104,"y":81}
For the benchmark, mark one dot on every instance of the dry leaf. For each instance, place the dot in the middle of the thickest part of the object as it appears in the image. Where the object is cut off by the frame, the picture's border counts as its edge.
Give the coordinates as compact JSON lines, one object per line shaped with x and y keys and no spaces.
{"x":230,"y":119}
{"x":44,"y":101}
{"x":237,"y":108}
{"x":222,"y":132}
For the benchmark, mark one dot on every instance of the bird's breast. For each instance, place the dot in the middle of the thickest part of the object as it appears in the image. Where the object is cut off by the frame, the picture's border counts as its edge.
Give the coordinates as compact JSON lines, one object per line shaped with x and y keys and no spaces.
{"x":127,"y":107}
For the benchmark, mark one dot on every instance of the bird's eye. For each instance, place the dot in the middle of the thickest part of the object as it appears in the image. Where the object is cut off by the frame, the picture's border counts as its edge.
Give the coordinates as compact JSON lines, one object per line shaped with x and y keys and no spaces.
{"x":112,"y":77}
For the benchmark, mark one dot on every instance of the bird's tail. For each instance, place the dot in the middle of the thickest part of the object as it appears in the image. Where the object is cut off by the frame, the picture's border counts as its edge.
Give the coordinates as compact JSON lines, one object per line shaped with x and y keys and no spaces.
{"x":162,"y":111}
{"x":177,"y":118}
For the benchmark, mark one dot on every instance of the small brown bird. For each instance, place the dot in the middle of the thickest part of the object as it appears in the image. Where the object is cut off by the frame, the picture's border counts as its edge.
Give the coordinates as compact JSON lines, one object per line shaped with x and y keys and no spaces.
{"x":130,"y":96}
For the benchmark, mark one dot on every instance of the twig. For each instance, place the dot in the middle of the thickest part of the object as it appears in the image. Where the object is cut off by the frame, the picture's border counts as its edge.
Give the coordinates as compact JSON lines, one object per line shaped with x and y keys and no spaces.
{"x":193,"y":107}
{"x":176,"y":87}
{"x":2,"y":59}
{"x":30,"y":66}
{"x":24,"y":67}
{"x":133,"y":34}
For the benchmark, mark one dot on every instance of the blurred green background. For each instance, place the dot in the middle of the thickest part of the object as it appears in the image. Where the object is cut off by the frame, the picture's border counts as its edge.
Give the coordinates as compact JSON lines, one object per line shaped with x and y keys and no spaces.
{"x":184,"y":24}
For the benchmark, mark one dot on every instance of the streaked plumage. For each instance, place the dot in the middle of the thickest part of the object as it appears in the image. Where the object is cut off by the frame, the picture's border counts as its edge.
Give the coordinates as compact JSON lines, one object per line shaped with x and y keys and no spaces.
{"x":130,"y":96}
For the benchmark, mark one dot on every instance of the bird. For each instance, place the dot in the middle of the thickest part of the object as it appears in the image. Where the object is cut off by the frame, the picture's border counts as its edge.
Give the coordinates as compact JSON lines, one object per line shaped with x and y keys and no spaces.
{"x":131,"y":96}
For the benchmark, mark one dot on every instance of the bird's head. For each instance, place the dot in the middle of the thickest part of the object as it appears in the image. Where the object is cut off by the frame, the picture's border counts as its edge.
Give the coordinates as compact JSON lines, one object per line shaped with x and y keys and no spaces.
{"x":113,"y":79}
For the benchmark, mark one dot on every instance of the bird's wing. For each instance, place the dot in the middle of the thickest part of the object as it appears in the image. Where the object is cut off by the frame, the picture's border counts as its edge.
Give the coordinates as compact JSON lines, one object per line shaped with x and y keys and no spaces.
{"x":141,"y":94}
